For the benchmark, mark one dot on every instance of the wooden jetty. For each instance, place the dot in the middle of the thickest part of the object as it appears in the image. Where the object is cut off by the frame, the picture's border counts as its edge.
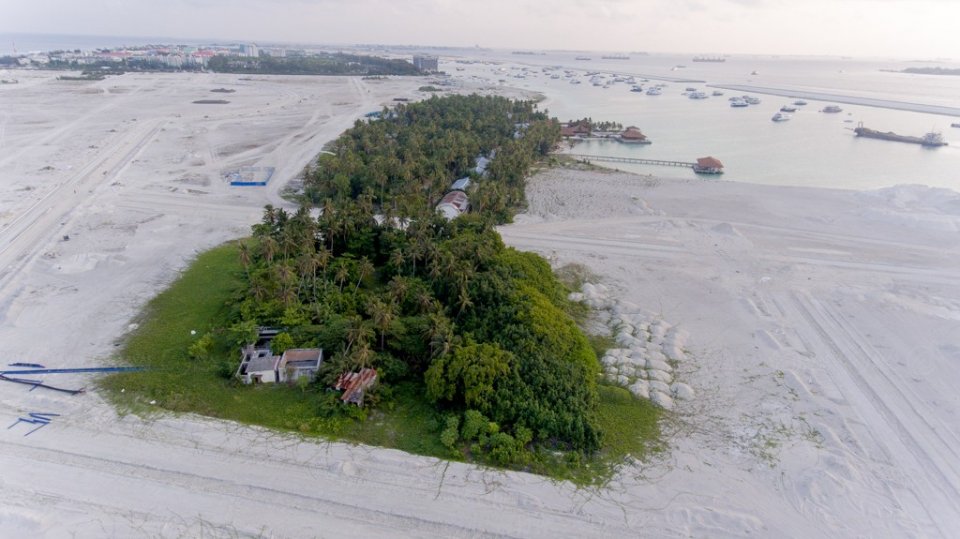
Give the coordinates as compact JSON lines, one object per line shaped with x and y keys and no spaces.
{"x":634,"y":160}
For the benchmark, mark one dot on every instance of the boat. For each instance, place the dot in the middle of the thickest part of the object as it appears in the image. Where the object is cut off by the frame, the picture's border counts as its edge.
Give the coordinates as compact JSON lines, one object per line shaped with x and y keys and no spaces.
{"x":955,"y":124}
{"x":751,"y":100}
{"x":930,"y":140}
{"x":654,"y":91}
{"x":788,"y":108}
{"x":709,"y":59}
{"x":582,"y":58}
{"x":717,"y":93}
{"x":754,"y":73}
{"x":615,"y":57}
{"x":697,"y":95}
{"x":832,"y":109}
{"x":737,"y":102}
{"x":636,"y":88}
{"x":799,"y":102}
{"x":780,"y":117}
{"x":688,"y":89}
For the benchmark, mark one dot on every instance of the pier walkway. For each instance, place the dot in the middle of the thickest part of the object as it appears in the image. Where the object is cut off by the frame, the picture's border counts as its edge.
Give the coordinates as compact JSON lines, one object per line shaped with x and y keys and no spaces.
{"x":634,"y":160}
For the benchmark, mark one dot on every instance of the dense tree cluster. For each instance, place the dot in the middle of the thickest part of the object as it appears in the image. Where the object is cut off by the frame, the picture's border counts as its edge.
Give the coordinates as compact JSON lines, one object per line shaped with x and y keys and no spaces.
{"x":379,"y":279}
{"x":415,"y":151}
{"x":325,"y":64}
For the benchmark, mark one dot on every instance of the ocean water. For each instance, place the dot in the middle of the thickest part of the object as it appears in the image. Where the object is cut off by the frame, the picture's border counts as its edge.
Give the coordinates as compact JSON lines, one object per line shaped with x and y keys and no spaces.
{"x":812,"y":149}
{"x":26,"y":43}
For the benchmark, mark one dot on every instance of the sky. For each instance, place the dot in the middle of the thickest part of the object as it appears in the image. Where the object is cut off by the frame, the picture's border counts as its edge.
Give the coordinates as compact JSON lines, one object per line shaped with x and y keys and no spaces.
{"x":910,"y":29}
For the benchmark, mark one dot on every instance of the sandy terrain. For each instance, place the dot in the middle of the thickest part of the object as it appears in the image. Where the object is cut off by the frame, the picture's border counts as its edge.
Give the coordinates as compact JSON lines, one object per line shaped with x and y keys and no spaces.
{"x":822,"y":337}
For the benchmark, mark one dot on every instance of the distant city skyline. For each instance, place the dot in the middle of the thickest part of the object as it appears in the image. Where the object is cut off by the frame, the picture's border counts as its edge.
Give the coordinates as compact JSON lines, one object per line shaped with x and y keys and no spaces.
{"x":914,"y":29}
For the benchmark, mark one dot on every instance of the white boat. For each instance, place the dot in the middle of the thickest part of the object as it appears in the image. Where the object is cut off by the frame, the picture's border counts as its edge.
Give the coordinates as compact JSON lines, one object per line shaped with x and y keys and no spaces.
{"x":752,"y":100}
{"x":654,"y":91}
{"x":833,"y":109}
{"x":697,"y":95}
{"x":737,"y":102}
{"x":780,"y":117}
{"x":636,"y":88}
{"x":800,"y":102}
{"x":717,"y":93}
{"x":788,"y":108}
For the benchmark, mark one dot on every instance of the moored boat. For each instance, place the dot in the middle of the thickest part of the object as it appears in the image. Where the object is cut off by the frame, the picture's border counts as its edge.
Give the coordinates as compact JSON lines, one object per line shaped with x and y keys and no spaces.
{"x":832,"y":109}
{"x":780,"y":117}
{"x":930,"y":140}
{"x":788,"y":108}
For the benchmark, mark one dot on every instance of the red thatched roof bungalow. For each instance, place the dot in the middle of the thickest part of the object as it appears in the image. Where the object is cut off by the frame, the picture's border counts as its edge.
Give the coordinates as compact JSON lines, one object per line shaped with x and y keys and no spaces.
{"x":708,"y":165}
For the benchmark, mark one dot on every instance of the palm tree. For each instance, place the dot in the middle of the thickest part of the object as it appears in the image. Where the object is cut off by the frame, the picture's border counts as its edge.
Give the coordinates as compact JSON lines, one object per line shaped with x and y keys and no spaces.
{"x":268,"y":246}
{"x":365,"y":268}
{"x":342,"y":273}
{"x":244,"y":251}
{"x":399,"y":286}
{"x":440,"y":335}
{"x":382,"y":314}
{"x":396,"y":259}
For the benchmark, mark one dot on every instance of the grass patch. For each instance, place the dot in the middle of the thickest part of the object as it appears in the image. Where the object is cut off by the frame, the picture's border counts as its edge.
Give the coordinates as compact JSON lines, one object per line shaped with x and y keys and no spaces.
{"x":402,"y":419}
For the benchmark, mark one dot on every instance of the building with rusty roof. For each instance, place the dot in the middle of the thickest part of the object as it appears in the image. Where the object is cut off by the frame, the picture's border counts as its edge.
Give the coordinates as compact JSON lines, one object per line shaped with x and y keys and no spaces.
{"x":355,"y":385}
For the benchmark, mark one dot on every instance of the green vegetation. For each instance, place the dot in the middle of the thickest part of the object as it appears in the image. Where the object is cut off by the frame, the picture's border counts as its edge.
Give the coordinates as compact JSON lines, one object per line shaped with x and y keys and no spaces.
{"x":591,"y":125}
{"x":324,"y":64}
{"x":478,"y":353}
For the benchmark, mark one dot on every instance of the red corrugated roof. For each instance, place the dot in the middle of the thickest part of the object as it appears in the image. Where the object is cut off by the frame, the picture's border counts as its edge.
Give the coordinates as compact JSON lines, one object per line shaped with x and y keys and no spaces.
{"x":354,"y":384}
{"x":709,"y":162}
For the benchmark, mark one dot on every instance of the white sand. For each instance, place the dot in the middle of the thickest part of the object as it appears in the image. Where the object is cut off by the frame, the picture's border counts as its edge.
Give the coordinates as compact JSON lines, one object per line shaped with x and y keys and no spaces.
{"x":820,"y":337}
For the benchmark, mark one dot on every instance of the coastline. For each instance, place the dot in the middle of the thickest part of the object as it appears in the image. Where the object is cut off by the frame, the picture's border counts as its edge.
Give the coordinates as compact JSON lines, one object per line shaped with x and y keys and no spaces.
{"x":803,"y":306}
{"x":839,"y":98}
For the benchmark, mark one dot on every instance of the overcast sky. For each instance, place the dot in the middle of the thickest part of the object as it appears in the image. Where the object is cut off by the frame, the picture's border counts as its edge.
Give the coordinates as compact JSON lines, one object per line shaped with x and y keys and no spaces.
{"x":896,"y":28}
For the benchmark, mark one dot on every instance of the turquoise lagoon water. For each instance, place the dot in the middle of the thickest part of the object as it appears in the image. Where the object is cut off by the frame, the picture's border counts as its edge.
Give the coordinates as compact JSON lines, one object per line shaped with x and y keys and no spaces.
{"x":812,"y":149}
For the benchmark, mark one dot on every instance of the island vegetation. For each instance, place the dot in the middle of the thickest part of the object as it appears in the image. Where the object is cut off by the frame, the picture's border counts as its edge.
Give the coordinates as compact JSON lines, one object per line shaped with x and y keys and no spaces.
{"x":477,"y":347}
{"x":320,"y":64}
{"x":932,"y":70}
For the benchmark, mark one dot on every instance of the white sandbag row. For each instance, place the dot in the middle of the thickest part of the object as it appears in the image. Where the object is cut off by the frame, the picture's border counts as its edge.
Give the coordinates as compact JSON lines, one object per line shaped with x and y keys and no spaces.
{"x":648,"y":345}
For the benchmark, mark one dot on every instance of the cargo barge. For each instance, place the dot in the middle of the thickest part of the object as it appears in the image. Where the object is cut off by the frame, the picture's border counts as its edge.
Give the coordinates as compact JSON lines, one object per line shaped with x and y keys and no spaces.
{"x":931,"y":140}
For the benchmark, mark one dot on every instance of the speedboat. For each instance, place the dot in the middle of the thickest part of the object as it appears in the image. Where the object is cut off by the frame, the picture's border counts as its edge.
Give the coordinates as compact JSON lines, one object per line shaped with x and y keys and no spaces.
{"x":780,"y":117}
{"x":636,"y":88}
{"x":752,"y":100}
{"x":788,"y":108}
{"x":654,"y":91}
{"x":697,"y":95}
{"x":737,"y":102}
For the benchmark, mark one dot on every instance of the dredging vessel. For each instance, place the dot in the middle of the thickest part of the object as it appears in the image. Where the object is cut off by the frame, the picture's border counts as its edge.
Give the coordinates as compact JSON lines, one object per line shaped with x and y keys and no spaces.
{"x":930,"y":140}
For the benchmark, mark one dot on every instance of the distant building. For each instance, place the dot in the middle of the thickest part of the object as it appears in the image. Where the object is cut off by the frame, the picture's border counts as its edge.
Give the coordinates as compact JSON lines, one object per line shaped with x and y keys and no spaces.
{"x":250,"y":51}
{"x":460,"y":185}
{"x":454,"y":204}
{"x":708,"y":165}
{"x":425,"y":63}
{"x":632,"y":135}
